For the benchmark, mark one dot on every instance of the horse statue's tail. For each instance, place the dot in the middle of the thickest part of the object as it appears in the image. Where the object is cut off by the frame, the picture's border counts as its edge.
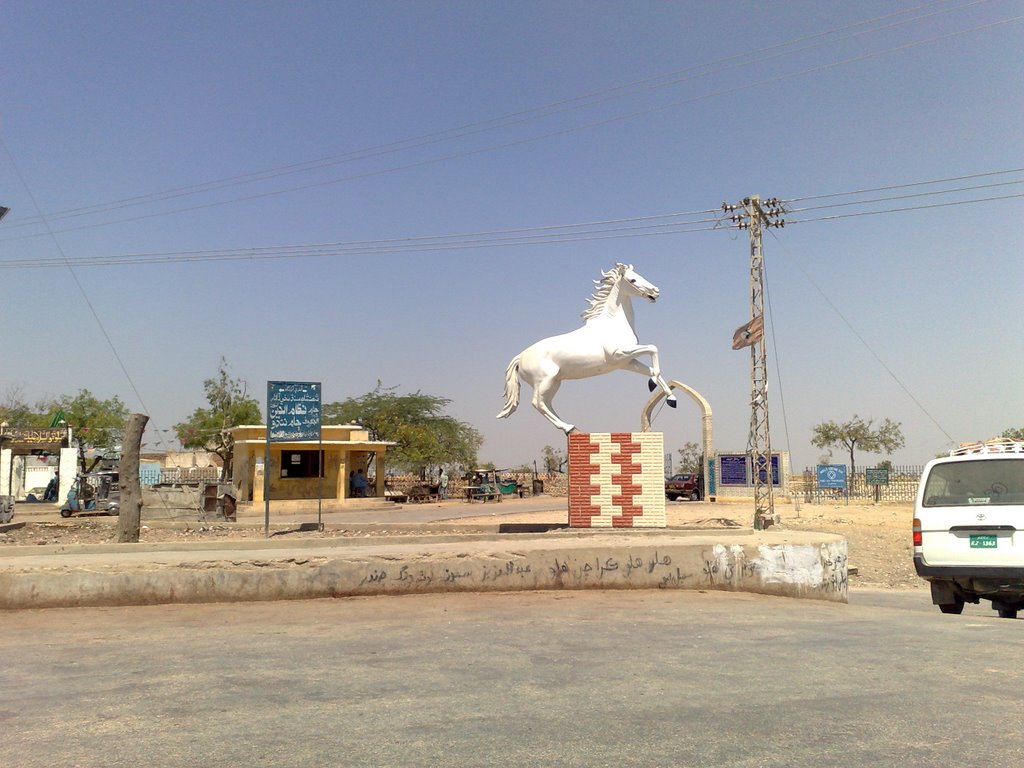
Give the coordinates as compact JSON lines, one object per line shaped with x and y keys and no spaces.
{"x":511,"y":388}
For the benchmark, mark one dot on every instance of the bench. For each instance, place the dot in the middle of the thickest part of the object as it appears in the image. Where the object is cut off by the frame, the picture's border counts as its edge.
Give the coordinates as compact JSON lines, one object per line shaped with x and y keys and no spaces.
{"x":482,"y":493}
{"x":421,"y":493}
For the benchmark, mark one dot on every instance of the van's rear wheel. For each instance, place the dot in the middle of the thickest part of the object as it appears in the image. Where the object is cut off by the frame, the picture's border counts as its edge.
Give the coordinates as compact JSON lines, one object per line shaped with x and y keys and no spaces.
{"x":954,"y":607}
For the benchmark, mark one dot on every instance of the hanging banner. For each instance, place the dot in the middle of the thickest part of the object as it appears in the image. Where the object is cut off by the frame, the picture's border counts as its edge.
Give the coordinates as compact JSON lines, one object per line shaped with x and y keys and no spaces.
{"x":749,"y":333}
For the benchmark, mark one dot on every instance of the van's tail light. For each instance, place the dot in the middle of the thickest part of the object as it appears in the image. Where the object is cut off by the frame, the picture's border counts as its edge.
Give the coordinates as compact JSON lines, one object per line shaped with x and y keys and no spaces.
{"x":917,"y":532}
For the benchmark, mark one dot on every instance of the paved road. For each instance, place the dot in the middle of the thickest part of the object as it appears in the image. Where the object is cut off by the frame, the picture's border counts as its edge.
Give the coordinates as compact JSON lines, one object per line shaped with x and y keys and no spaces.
{"x":535,"y":679}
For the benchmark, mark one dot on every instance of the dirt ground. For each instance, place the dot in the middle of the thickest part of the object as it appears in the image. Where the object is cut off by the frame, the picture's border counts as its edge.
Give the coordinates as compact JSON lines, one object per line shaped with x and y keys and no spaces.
{"x":878,"y":535}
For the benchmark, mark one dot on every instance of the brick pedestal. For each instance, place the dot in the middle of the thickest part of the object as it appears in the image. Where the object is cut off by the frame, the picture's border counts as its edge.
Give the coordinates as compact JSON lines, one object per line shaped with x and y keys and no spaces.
{"x":616,"y":480}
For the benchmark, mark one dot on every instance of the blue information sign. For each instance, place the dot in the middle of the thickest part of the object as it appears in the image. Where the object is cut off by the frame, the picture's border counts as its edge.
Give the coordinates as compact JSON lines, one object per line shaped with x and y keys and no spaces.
{"x":831,"y":475}
{"x":734,"y":470}
{"x":293,"y":411}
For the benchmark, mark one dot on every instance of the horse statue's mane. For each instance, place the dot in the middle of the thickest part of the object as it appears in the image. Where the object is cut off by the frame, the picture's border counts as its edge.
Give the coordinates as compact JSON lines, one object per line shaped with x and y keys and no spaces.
{"x":604,"y":289}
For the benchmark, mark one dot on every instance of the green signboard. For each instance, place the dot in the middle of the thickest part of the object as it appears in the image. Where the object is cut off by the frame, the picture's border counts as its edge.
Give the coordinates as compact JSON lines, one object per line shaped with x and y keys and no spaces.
{"x":876,"y":476}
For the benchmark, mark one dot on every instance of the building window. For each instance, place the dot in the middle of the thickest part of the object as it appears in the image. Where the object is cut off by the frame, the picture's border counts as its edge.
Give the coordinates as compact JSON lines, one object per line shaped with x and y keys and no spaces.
{"x":302,"y":464}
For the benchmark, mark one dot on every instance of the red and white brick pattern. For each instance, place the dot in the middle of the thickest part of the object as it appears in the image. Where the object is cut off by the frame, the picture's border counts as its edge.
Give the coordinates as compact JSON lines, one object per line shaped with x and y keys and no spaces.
{"x":616,"y":480}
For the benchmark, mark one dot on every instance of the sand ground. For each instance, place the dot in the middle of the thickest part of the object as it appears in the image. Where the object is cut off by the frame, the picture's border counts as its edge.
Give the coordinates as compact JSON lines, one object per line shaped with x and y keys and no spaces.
{"x":879,"y":536}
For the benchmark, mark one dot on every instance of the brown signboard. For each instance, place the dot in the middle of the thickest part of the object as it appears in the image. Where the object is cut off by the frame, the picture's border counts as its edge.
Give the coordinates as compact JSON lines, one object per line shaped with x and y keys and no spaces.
{"x":28,"y":439}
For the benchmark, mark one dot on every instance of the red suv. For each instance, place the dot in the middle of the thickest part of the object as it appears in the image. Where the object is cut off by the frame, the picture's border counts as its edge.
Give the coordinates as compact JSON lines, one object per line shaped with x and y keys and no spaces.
{"x":683,"y":486}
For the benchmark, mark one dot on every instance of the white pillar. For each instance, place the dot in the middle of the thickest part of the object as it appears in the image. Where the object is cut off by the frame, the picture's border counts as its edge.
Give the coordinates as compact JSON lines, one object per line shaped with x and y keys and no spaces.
{"x":6,"y":457}
{"x":68,"y":468}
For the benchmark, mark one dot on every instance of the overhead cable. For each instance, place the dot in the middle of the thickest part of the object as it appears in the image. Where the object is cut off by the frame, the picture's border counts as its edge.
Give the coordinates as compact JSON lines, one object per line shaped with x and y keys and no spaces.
{"x":540,"y":137}
{"x":577,"y":102}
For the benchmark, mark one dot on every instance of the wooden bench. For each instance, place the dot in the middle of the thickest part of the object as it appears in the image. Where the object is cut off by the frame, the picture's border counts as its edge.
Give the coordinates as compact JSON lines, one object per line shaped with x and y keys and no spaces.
{"x":421,"y":493}
{"x":476,"y":493}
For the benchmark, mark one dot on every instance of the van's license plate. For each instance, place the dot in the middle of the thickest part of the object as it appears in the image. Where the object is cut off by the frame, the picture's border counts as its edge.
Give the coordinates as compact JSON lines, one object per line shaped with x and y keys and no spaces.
{"x":983,"y":541}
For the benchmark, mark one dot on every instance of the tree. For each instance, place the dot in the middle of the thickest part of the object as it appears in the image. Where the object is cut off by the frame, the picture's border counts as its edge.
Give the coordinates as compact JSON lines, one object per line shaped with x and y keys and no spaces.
{"x":554,"y":459}
{"x":424,"y":435}
{"x":1014,"y":433}
{"x":230,"y":406}
{"x":690,"y":457}
{"x":859,"y":434}
{"x":18,"y":414}
{"x":130,"y":517}
{"x":95,"y":423}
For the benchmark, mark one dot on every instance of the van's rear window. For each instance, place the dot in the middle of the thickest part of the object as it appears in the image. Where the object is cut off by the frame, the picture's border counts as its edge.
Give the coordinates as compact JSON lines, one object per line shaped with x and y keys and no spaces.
{"x":975,"y":483}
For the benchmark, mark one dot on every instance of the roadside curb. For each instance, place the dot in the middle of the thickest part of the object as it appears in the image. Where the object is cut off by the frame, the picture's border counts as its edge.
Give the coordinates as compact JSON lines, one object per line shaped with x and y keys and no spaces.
{"x":794,"y":564}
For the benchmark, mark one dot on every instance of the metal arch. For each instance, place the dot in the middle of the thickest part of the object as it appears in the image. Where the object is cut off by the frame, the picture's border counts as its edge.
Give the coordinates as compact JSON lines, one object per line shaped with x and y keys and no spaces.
{"x":707,"y":431}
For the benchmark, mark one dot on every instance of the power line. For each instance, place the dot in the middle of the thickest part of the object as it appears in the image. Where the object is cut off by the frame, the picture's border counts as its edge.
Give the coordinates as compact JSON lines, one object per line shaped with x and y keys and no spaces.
{"x":867,"y":346}
{"x":905,"y":209}
{"x":641,"y":226}
{"x":905,"y":186}
{"x":66,"y":262}
{"x":907,"y":197}
{"x":536,"y":138}
{"x":292,"y":252}
{"x":587,"y":100}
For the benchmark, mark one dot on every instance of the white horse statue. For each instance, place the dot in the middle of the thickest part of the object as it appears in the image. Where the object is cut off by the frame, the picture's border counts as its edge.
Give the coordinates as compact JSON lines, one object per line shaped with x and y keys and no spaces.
{"x":607,"y":341}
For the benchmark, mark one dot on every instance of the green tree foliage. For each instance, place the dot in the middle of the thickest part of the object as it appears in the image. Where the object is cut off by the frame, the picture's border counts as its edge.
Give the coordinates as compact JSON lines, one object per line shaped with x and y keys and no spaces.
{"x":425,"y":437}
{"x":19,"y":414}
{"x":554,"y":459}
{"x":858,"y":434}
{"x":1014,"y":433}
{"x":690,"y":457}
{"x":94,"y":423}
{"x":230,"y":406}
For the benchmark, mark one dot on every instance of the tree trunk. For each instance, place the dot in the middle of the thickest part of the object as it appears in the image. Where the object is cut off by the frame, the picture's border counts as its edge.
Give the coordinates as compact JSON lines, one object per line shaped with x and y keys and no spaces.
{"x":227,"y":457}
{"x":130,"y":518}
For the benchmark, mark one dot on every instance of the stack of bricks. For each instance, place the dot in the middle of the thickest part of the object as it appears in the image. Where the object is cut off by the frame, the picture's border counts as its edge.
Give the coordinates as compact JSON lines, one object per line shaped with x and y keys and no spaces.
{"x":616,"y":480}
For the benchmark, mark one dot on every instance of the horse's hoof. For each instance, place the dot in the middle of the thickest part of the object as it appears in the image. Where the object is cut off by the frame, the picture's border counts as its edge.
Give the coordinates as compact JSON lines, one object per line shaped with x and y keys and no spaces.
{"x":672,"y":403}
{"x":652,"y":385}
{"x":571,"y":429}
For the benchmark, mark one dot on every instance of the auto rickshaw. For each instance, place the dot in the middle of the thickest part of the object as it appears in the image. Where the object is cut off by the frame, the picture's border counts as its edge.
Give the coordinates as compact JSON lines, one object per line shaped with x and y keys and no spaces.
{"x":489,"y":482}
{"x":97,"y":493}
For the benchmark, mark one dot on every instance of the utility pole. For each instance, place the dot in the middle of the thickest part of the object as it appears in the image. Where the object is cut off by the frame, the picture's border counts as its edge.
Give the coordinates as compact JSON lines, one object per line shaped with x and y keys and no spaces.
{"x":754,"y":215}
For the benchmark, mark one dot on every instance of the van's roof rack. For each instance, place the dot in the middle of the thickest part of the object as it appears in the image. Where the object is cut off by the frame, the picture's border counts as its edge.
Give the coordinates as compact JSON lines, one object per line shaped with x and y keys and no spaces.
{"x":995,"y":445}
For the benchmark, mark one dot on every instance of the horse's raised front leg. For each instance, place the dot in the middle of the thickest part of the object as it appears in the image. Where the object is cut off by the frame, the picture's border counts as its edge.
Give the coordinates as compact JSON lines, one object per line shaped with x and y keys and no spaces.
{"x":653,"y":371}
{"x":543,"y":391}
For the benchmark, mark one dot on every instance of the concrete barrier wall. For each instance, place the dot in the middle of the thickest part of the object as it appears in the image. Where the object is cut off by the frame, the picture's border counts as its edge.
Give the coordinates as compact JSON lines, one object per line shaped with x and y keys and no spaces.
{"x":811,"y":568}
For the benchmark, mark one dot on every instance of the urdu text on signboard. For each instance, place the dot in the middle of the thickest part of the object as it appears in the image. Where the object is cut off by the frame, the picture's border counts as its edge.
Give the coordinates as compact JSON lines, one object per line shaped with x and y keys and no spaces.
{"x":293,"y":411}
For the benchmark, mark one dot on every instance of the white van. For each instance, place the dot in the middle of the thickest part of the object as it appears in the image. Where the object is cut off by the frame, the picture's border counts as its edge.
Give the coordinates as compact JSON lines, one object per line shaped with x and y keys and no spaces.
{"x":969,"y":527}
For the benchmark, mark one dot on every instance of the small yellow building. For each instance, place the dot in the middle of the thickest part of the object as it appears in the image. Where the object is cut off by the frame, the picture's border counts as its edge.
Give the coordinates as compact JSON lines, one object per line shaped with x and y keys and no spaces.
{"x":347,"y":448}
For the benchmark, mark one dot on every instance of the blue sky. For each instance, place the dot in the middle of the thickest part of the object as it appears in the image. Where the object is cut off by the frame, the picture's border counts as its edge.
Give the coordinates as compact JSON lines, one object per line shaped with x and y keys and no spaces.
{"x":188,"y":128}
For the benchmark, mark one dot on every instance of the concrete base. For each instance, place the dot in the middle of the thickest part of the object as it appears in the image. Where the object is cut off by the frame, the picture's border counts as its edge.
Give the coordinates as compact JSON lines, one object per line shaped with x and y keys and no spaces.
{"x":794,"y":564}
